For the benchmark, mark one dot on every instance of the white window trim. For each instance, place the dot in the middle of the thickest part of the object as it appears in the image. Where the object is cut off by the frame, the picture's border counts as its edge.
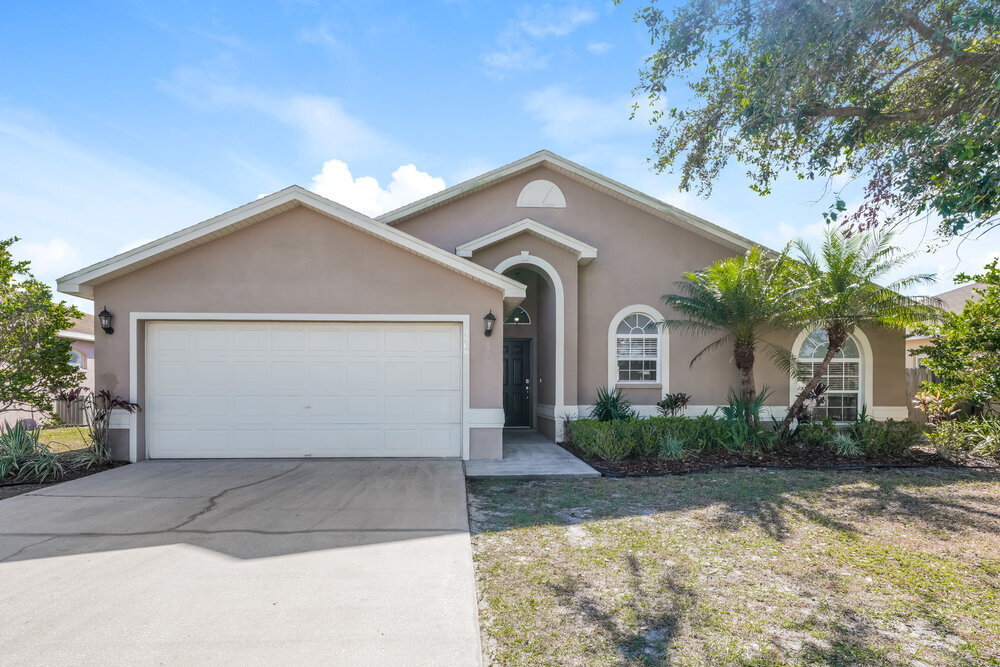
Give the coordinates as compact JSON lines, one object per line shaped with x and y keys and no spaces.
{"x":81,"y":359}
{"x":867,"y":371}
{"x":557,"y":285}
{"x":480,"y":417}
{"x":662,"y":371}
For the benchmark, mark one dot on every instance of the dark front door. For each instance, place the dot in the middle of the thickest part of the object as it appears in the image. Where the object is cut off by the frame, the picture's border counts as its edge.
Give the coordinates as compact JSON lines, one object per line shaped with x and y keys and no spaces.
{"x":517,"y":382}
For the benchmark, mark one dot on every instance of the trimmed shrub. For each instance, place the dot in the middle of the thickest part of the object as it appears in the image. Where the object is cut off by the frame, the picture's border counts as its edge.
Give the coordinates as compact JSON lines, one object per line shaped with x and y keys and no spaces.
{"x":816,"y":434}
{"x":890,"y":438}
{"x":623,"y":438}
{"x":610,"y":441}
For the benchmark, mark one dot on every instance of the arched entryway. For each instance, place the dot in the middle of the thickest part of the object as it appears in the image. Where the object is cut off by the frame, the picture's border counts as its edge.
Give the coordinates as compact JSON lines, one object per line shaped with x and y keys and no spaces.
{"x":534,"y":353}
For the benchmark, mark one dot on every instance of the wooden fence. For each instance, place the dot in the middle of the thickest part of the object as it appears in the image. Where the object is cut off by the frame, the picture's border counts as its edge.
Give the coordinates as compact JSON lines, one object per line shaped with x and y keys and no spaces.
{"x":71,"y":414}
{"x":915,"y":378}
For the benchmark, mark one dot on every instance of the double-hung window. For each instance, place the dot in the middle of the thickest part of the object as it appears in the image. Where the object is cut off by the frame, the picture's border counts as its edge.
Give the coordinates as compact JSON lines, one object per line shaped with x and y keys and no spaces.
{"x":638,"y":349}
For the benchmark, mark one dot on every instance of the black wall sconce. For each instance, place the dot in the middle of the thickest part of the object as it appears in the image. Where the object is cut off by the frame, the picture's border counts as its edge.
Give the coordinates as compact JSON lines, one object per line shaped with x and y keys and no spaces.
{"x":105,"y":317}
{"x":490,"y":319}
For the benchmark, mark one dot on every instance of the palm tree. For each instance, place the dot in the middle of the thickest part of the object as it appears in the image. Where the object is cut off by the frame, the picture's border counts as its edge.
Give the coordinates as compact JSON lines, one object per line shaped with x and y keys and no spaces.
{"x":738,"y":299}
{"x":840,"y":293}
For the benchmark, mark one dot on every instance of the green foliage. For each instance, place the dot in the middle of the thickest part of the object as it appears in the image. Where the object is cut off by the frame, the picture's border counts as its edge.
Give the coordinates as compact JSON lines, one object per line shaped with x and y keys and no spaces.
{"x":816,"y":434}
{"x":974,"y":438}
{"x":743,"y":417}
{"x":615,"y":440}
{"x":673,"y":403}
{"x":737,"y":300}
{"x":845,"y":445}
{"x":98,"y":407}
{"x":899,"y":94}
{"x":34,"y":361}
{"x":606,"y":440}
{"x":888,"y":438}
{"x":23,"y":458}
{"x":671,"y":447}
{"x":965,"y":351}
{"x":843,"y":289}
{"x":611,"y":405}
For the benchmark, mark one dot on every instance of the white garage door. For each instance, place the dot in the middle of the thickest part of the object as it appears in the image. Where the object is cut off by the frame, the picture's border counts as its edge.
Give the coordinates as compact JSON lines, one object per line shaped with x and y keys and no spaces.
{"x":293,"y":389}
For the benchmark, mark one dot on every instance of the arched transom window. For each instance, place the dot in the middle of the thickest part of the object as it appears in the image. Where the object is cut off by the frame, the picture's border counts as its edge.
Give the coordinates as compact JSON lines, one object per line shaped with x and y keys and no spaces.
{"x":518,"y":316}
{"x":843,"y":377}
{"x":638,"y":349}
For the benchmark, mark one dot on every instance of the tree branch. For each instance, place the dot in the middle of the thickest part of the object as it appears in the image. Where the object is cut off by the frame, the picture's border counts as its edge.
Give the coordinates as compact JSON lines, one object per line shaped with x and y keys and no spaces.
{"x":881,"y":118}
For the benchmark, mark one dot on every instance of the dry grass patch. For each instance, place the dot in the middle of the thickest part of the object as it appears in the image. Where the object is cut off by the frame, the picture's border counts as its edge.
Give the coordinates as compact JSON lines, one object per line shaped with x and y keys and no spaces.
{"x":741,"y":568}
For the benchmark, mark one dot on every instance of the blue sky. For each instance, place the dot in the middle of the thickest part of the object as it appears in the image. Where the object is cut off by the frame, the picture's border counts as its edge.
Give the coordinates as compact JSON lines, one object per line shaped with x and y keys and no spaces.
{"x":124,"y":121}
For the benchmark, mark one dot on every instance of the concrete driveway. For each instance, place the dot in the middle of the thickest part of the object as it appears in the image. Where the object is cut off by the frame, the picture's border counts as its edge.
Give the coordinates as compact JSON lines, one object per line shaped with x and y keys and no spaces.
{"x":242,"y":562}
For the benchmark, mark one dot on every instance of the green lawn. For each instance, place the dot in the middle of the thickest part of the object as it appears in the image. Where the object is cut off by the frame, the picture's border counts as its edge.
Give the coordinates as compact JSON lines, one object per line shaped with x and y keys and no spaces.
{"x":65,"y":439}
{"x":741,"y":568}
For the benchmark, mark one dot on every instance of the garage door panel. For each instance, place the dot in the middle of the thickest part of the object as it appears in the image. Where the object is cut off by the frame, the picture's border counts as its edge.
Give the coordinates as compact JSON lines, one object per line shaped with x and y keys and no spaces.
{"x":208,"y":375}
{"x":257,"y":389}
{"x":328,"y":375}
{"x":209,"y":339}
{"x":288,"y":374}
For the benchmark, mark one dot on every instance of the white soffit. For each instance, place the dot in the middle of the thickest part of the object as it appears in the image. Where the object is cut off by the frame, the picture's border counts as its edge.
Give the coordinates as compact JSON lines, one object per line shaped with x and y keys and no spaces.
{"x":81,"y":283}
{"x":585,"y":253}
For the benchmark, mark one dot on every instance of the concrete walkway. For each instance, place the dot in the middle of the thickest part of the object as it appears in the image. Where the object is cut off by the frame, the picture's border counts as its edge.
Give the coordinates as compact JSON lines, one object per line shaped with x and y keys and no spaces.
{"x":242,"y":563}
{"x":529,"y":455}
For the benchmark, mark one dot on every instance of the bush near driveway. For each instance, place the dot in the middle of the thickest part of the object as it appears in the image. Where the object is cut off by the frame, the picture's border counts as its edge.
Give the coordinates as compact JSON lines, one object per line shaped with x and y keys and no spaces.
{"x":741,"y":568}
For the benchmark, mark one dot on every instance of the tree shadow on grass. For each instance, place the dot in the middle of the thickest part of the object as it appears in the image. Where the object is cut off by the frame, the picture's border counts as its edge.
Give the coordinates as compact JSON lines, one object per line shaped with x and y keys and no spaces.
{"x":654,"y":606}
{"x":773,"y":501}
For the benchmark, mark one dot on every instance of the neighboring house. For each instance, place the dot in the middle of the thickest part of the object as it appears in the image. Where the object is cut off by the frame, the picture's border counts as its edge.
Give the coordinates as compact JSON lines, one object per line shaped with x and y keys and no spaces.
{"x":952,"y":301}
{"x":82,"y":356}
{"x":295,"y":327}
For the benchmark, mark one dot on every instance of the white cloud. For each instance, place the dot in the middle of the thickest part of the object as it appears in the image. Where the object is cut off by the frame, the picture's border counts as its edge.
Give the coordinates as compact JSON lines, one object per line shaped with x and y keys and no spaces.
{"x":516,"y":46}
{"x":54,"y":257}
{"x":74,"y":205}
{"x":578,"y":120}
{"x":599,"y":48}
{"x":326,"y":127}
{"x":548,"y":20}
{"x":364,"y":193}
{"x":514,"y":57}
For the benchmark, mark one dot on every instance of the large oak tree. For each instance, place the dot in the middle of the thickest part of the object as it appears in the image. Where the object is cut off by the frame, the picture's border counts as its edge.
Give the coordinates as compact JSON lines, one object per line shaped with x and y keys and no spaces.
{"x":903,"y":94}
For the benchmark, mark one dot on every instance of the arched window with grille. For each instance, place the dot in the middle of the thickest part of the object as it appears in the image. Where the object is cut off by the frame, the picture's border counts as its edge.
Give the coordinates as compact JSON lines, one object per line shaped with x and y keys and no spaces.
{"x":843,"y":378}
{"x":637,"y":346}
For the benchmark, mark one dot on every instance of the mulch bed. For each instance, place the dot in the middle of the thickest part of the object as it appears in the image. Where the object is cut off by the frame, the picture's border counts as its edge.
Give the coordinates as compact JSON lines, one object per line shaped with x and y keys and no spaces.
{"x":11,"y":489}
{"x":789,"y":458}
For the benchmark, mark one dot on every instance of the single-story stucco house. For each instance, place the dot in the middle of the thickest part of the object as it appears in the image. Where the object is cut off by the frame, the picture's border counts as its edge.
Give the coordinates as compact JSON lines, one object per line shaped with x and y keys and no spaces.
{"x":296,"y":327}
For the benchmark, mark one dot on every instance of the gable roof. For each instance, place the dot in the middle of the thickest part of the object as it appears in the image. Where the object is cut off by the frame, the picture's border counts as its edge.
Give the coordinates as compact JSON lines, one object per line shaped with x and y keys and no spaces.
{"x":81,"y":283}
{"x":82,"y":329}
{"x":584,"y":252}
{"x":578,"y":173}
{"x":954,"y":300}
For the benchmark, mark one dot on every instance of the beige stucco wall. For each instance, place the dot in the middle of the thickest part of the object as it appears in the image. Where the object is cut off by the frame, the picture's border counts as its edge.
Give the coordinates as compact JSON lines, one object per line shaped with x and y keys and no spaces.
{"x":640,"y":257}
{"x":301,"y":262}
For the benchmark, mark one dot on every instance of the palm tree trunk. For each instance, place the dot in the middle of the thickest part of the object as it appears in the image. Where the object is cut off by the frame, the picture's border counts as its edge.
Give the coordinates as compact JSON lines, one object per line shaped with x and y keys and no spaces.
{"x":744,"y":355}
{"x":836,"y":337}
